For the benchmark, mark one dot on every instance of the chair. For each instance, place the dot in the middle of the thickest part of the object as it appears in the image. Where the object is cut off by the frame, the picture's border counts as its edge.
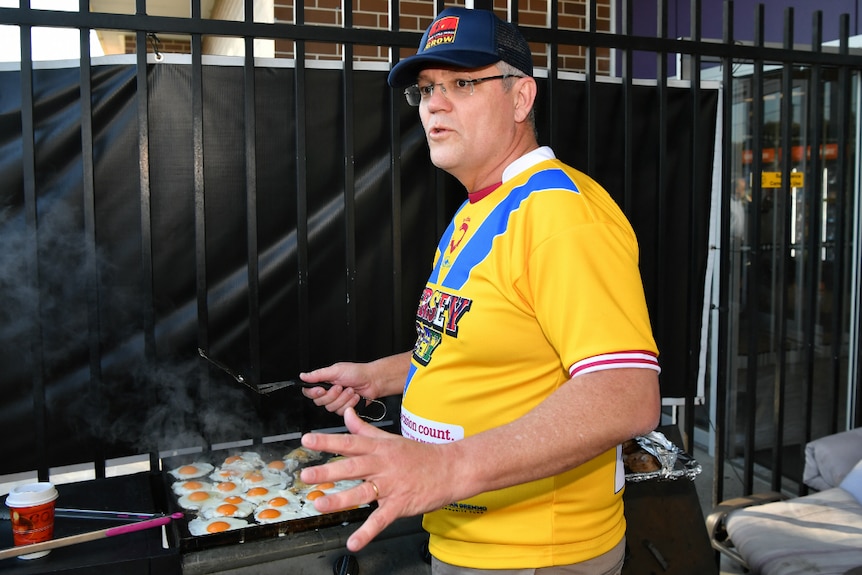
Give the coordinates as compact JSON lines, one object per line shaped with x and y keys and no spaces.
{"x":769,"y":534}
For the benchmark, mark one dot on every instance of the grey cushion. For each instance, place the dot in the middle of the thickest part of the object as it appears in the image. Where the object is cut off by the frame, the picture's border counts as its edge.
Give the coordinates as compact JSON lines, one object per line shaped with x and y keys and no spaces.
{"x":819,"y":533}
{"x":829,"y":459}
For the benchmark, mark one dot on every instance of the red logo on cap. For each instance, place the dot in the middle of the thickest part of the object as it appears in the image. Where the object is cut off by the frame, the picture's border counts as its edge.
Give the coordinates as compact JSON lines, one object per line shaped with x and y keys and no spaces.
{"x":442,"y":32}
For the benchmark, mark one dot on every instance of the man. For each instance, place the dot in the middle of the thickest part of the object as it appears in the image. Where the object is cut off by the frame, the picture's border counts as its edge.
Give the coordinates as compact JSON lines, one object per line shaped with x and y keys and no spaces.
{"x":534,"y":358}
{"x":739,"y":203}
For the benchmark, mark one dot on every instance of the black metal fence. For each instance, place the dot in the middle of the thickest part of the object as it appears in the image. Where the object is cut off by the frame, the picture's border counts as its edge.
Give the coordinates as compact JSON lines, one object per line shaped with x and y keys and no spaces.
{"x":281,"y":216}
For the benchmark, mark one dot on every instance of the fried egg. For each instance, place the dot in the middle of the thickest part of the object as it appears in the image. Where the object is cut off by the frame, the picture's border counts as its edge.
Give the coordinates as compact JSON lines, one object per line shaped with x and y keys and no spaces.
{"x":298,"y":484}
{"x":190,"y":486}
{"x":245,"y":461}
{"x":278,"y":465}
{"x":284,"y":498}
{"x":264,"y":478}
{"x":226,"y":488}
{"x":258,"y":495}
{"x":302,"y":455}
{"x":226,"y":474}
{"x":225,"y":508}
{"x":284,"y":507}
{"x":192,"y":470}
{"x":312,"y":492}
{"x":197,"y":499}
{"x":269,"y":514}
{"x":317,"y":491}
{"x":308,"y":510}
{"x":201,"y":526}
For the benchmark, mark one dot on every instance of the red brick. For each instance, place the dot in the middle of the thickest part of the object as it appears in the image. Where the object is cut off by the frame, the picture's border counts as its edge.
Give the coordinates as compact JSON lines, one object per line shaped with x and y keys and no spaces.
{"x":379,"y":6}
{"x":328,"y":17}
{"x":283,"y":14}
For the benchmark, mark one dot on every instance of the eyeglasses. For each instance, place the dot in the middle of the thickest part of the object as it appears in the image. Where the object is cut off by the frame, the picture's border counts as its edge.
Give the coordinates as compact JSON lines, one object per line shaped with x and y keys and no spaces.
{"x":458,"y":88}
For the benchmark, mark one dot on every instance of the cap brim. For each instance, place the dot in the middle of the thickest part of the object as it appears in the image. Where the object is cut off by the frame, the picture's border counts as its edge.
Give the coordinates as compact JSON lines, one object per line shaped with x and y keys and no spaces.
{"x":405,"y":72}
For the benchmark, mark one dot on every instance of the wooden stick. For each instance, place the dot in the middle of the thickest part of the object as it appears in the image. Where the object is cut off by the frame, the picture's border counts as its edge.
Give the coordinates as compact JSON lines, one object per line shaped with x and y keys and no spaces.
{"x":89,"y":536}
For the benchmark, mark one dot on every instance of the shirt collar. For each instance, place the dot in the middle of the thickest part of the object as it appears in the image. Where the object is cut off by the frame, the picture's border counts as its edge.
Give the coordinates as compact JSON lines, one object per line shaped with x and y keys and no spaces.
{"x":526,"y":161}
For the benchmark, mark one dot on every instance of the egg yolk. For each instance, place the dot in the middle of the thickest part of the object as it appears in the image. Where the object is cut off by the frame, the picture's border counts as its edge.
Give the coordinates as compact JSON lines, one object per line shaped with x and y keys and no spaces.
{"x":228,"y":473}
{"x":314,"y":495}
{"x":269,"y":514}
{"x":233,"y":499}
{"x":187,"y":470}
{"x":278,"y":501}
{"x":226,"y":509}
{"x":192,"y":485}
{"x":255,"y":491}
{"x":325,"y":486}
{"x":218,"y":526}
{"x":253,"y":476}
{"x":232,"y":459}
{"x":276,"y":464}
{"x":226,"y":486}
{"x":199,"y":496}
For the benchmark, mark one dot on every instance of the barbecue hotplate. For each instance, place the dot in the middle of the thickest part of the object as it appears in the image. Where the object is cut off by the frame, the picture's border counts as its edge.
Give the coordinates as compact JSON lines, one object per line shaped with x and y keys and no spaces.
{"x":256,"y":458}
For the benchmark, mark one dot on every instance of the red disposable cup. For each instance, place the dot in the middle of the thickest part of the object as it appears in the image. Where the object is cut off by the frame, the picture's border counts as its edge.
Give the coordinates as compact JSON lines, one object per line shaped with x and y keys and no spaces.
{"x":32,"y":513}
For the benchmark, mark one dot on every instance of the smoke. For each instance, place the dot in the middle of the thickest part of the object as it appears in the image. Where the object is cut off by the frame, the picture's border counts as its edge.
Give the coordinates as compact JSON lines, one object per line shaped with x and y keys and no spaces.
{"x":110,"y":394}
{"x":171,"y":405}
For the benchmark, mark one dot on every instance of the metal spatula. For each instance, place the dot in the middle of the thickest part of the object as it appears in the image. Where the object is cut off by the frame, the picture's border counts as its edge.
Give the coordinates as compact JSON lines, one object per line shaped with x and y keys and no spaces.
{"x":267,"y":388}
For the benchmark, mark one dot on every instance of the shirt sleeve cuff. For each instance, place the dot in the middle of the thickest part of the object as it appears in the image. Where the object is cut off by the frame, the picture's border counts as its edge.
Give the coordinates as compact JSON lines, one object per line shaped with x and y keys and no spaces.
{"x":616,"y":360}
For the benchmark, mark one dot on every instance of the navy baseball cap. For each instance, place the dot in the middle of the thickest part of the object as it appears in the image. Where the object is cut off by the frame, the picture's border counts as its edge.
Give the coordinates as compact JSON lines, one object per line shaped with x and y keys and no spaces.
{"x":465,"y":38}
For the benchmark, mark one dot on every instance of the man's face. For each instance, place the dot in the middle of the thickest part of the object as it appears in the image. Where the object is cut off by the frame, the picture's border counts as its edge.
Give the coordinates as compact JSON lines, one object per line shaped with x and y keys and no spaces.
{"x":469,"y":136}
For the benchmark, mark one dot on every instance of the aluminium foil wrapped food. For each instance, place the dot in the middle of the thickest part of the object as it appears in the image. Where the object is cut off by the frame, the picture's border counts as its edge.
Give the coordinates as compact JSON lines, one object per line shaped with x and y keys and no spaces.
{"x":654,"y":456}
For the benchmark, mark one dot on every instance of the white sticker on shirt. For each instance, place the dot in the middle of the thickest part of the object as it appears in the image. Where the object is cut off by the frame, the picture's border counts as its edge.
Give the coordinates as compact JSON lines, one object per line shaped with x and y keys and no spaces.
{"x":428,"y":431}
{"x":620,"y":472}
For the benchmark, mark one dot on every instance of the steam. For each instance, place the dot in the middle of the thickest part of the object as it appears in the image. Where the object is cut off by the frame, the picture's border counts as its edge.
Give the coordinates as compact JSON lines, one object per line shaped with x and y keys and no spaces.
{"x":126,"y":403}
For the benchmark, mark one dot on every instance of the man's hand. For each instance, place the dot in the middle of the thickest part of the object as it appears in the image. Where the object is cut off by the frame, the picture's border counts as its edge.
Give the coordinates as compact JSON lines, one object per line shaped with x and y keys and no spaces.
{"x":353,"y":381}
{"x":406,"y":475}
{"x":349,"y":382}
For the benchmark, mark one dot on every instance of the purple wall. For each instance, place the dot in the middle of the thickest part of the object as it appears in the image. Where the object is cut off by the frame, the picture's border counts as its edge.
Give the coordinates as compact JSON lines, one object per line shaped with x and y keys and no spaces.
{"x":679,"y":22}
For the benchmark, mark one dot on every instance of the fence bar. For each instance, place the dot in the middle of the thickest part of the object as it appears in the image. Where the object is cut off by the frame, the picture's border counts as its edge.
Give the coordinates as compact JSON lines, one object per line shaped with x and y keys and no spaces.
{"x":842,"y":205}
{"x":349,"y":189}
{"x":199,"y":191}
{"x":553,"y":74}
{"x":697,"y":200}
{"x":302,"y":264}
{"x":250,"y":128}
{"x":592,"y":153}
{"x":37,"y":357}
{"x":548,"y":35}
{"x":662,"y":183}
{"x":783,"y":250}
{"x":628,"y":111}
{"x":91,"y":265}
{"x":395,"y":142}
{"x":723,"y":367}
{"x":814,"y":192}
{"x":755,"y":255}
{"x":142,"y":98}
{"x":201,"y":275}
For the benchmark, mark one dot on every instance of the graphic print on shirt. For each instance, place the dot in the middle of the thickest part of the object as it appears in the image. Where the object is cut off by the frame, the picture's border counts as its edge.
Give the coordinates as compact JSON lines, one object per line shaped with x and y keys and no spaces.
{"x":439,"y":312}
{"x":439,"y":309}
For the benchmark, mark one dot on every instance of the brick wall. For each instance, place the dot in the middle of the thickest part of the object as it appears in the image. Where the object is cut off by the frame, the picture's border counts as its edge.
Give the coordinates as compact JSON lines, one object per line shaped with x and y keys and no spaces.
{"x":416,"y":15}
{"x":165,"y":45}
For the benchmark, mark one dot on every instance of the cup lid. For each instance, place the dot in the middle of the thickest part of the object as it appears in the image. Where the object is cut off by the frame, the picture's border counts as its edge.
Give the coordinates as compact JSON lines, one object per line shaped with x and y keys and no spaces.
{"x":31,"y":494}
